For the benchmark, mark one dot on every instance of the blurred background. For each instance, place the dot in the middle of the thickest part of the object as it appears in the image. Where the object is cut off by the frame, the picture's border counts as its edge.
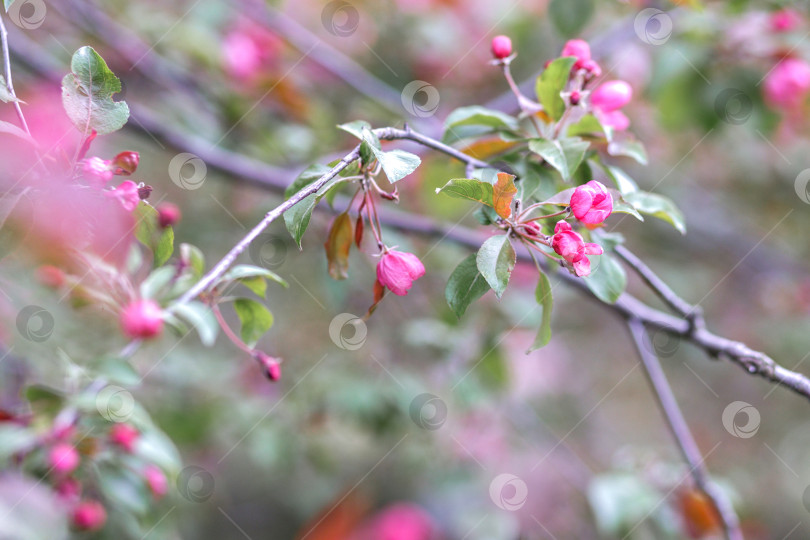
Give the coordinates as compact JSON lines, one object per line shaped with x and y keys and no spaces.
{"x":426,"y":426}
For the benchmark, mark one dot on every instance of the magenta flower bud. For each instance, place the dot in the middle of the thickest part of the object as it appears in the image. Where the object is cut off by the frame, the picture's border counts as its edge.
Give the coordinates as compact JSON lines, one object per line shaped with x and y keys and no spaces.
{"x":97,"y":171}
{"x":63,"y":458}
{"x":69,"y":489}
{"x":142,"y":319}
{"x":570,"y":246}
{"x":89,"y":516}
{"x":575,"y":98}
{"x":127,"y":194}
{"x":156,"y":481}
{"x":613,"y":119}
{"x":591,"y":203}
{"x":532,"y":228}
{"x":168,"y":214}
{"x":787,"y":85}
{"x":611,"y":96}
{"x":577,"y":48}
{"x":270,"y":365}
{"x":501,"y":47}
{"x":124,"y":435}
{"x":397,"y":271}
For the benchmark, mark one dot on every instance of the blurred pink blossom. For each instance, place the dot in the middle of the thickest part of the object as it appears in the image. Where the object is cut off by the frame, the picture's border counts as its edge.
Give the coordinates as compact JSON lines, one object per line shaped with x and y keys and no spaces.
{"x":787,"y":84}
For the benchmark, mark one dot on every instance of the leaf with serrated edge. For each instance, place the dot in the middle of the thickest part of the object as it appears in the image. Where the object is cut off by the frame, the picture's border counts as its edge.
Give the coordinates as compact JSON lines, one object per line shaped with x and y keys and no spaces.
{"x":468,"y":188}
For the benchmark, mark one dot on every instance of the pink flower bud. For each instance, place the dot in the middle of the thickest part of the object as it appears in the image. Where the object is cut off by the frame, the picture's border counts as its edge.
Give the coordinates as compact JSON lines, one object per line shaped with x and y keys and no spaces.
{"x":397,"y":271}
{"x":788,"y":83}
{"x":574,"y":98}
{"x":168,"y":214}
{"x":577,"y":48}
{"x":156,"y":481}
{"x":126,"y":162}
{"x":97,"y":171}
{"x":127,"y":194}
{"x":270,"y":365}
{"x":591,"y":203}
{"x":501,"y":47}
{"x":63,"y":458}
{"x":142,"y":319}
{"x":571,"y":247}
{"x":611,"y":96}
{"x":89,"y":516}
{"x":124,"y":435}
{"x":785,"y":20}
{"x":532,"y":228}
{"x":402,"y":521}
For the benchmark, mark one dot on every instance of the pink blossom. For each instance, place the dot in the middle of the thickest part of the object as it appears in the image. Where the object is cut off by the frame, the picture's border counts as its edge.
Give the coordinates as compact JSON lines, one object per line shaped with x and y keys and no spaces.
{"x":785,"y":20}
{"x":501,"y":47}
{"x":591,"y":203}
{"x":63,"y":458}
{"x":788,"y":83}
{"x":593,"y":69}
{"x":97,"y":171}
{"x":124,"y":435}
{"x":397,"y":271}
{"x":142,"y":319}
{"x":127,"y":194}
{"x":578,"y":48}
{"x":156,"y":481}
{"x":571,"y":247}
{"x":89,"y":516}
{"x":611,"y":96}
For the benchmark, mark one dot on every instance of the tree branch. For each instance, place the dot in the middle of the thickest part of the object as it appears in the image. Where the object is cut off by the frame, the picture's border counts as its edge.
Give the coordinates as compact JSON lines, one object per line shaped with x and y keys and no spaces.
{"x":680,"y":430}
{"x":7,"y":71}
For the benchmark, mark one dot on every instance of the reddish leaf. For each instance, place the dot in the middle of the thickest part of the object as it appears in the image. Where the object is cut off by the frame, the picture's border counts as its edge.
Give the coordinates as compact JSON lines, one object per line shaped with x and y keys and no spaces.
{"x":502,"y":194}
{"x":338,"y":244}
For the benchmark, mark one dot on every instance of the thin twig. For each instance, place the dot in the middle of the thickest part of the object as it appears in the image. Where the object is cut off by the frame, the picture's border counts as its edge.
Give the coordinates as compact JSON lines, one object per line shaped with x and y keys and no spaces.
{"x":680,"y":430}
{"x":9,"y":81}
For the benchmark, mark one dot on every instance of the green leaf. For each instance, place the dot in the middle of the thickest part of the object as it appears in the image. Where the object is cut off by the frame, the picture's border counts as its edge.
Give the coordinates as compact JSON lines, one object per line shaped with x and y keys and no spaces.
{"x":495,"y":261}
{"x":256,"y":319}
{"x":551,"y":82}
{"x":200,"y":317}
{"x":338,"y":244}
{"x":565,"y":155}
{"x":478,"y":116}
{"x":356,"y":128}
{"x":242,"y":271}
{"x":465,"y":286}
{"x":608,"y":280}
{"x":623,"y":182}
{"x":87,"y":94}
{"x":258,"y":285}
{"x":165,"y":246}
{"x":627,"y":145}
{"x":310,"y":174}
{"x":156,"y":281}
{"x":589,"y":125}
{"x":44,"y":400}
{"x":570,"y":16}
{"x":470,"y":189}
{"x":542,"y":294}
{"x":397,"y":164}
{"x":657,"y":206}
